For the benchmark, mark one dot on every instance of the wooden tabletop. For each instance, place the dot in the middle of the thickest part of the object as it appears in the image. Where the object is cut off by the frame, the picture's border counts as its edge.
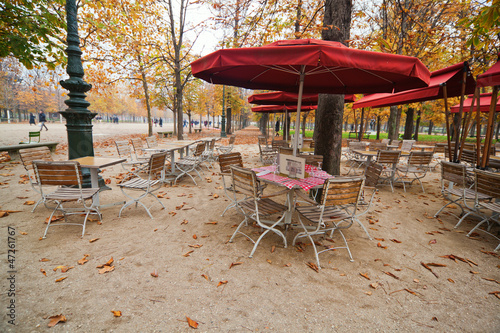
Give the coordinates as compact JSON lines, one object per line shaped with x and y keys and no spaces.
{"x":166,"y":147}
{"x":98,"y":162}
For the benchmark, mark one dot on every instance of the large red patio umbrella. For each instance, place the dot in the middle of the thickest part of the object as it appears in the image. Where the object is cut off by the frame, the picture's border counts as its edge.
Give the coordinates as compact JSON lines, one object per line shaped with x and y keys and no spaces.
{"x":490,"y":78}
{"x":309,"y":65}
{"x":452,"y":81}
{"x":282,"y":108}
{"x":484,"y":104}
{"x":289,"y":98}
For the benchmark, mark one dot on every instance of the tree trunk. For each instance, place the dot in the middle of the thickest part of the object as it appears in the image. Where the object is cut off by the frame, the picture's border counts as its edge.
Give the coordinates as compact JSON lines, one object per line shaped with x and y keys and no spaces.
{"x":378,"y":127}
{"x":329,"y":115}
{"x":410,"y":112}
{"x":417,"y":125}
{"x":393,"y":124}
{"x":146,"y":95}
{"x":228,"y":121}
{"x":431,"y":125}
{"x":304,"y":118}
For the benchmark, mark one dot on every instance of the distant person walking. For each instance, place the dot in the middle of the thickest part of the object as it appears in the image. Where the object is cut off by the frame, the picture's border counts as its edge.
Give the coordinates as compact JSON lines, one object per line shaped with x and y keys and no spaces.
{"x":42,"y":119}
{"x":32,"y":119}
{"x":277,"y":128}
{"x":161,"y":122}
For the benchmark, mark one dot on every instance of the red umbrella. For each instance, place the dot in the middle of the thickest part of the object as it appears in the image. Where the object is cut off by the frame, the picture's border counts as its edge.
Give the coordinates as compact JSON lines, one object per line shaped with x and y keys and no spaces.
{"x":289,"y":98}
{"x":491,"y":77}
{"x":449,"y":76}
{"x":282,"y":108}
{"x":484,"y":102}
{"x":309,"y":65}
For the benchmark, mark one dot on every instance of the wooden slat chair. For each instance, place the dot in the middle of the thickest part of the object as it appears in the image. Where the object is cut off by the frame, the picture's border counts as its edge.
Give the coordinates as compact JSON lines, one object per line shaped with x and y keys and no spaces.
{"x":285,"y":151}
{"x":487,"y":184}
{"x":152,"y":141}
{"x":456,"y":188}
{"x":146,"y":185}
{"x":415,"y":169}
{"x":225,"y":163}
{"x":330,"y":215}
{"x":191,"y":163}
{"x":138,"y":146}
{"x":374,"y":146}
{"x":469,"y":157}
{"x":353,"y":159}
{"x":208,"y":156}
{"x":27,"y":157}
{"x":267,"y":154}
{"x":131,"y":165}
{"x":407,"y":145}
{"x":388,"y":159}
{"x":229,"y":147}
{"x":254,"y":205}
{"x":61,"y":182}
{"x":279,"y":143}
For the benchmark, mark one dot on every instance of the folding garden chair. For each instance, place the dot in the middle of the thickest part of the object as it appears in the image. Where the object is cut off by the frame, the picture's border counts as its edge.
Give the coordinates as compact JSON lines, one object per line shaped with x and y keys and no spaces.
{"x":487,"y":184}
{"x":225,"y":162}
{"x":191,"y":163}
{"x":256,"y":206}
{"x":330,"y":215}
{"x":131,"y":165}
{"x":27,"y":157}
{"x":146,"y":186}
{"x":61,"y":182}
{"x":415,"y":169}
{"x":388,"y":159}
{"x":229,"y":147}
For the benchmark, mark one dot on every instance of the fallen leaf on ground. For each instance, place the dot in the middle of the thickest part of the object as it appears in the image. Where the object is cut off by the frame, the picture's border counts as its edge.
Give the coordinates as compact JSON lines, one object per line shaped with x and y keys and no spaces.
{"x":313,"y":266}
{"x":374,"y":285}
{"x":364,"y":275}
{"x":221,"y":283}
{"x":43,"y":271}
{"x":110,"y":261}
{"x":205,"y":276}
{"x":492,"y":280}
{"x":154,"y":273}
{"x":188,"y":253}
{"x":44,"y":259}
{"x":106,"y":269}
{"x":451,"y":280}
{"x":432,"y":241}
{"x":235,"y":264}
{"x":395,"y":241}
{"x":93,"y":240}
{"x":83,"y":260}
{"x":392,"y":275}
{"x":273,"y":248}
{"x":54,"y":320}
{"x":60,"y":279}
{"x":116,"y":313}
{"x":192,"y":323}
{"x":213,"y":222}
{"x":29,"y":203}
{"x":496,"y":293}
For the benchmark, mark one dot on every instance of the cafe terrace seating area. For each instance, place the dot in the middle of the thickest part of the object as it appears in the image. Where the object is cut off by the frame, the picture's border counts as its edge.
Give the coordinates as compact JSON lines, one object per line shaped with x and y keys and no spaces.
{"x":277,"y":199}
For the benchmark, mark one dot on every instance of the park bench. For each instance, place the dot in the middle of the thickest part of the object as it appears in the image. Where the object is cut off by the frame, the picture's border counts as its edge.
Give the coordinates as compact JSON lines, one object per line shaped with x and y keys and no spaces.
{"x":197,"y":130}
{"x":168,"y":134}
{"x":354,"y":135}
{"x":14,"y":149}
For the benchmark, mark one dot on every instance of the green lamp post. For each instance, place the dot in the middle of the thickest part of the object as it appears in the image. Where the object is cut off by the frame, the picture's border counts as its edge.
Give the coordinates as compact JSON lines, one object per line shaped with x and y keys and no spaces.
{"x":78,"y":117}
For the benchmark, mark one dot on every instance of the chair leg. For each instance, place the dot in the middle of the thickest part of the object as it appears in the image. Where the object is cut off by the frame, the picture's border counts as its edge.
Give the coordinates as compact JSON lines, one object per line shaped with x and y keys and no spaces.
{"x":50,"y":220}
{"x":37,"y":203}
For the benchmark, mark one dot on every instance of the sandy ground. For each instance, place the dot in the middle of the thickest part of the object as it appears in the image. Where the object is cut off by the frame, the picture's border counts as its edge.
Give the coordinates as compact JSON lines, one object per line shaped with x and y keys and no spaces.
{"x":186,"y":245}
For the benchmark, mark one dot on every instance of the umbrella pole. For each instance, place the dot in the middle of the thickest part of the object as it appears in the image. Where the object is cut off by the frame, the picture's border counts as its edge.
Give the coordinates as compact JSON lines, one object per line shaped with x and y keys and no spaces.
{"x":466,"y":128}
{"x":460,"y":112}
{"x":446,"y":115}
{"x":299,"y":106}
{"x":478,"y":128}
{"x":489,"y":130}
{"x":360,"y":135}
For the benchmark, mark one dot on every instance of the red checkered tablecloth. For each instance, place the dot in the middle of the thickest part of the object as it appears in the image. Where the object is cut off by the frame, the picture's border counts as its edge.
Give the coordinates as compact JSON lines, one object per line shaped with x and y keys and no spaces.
{"x":317,"y":177}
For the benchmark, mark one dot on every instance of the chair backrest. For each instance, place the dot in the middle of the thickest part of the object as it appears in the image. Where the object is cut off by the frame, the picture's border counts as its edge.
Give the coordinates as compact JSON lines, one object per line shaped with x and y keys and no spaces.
{"x":420,"y":158}
{"x":157,"y":165}
{"x":440,"y":147}
{"x":262,"y":141}
{"x":488,"y":183}
{"x":469,"y":156}
{"x":65,"y":173}
{"x":285,"y":150}
{"x":312,"y":144}
{"x":356,"y":145}
{"x":123,"y":148}
{"x":245,"y":181}
{"x":138,"y":145}
{"x":152,"y":141}
{"x":279,"y":143}
{"x":34,"y":136}
{"x":407,"y":144}
{"x":386,"y":141}
{"x":29,"y":155}
{"x":232,"y":140}
{"x":313,"y":160}
{"x":374,"y":146}
{"x":211,"y":144}
{"x":388,"y":156}
{"x":341,"y":191}
{"x":372,"y":174}
{"x":227,"y":160}
{"x":200,"y":147}
{"x":453,"y":172}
